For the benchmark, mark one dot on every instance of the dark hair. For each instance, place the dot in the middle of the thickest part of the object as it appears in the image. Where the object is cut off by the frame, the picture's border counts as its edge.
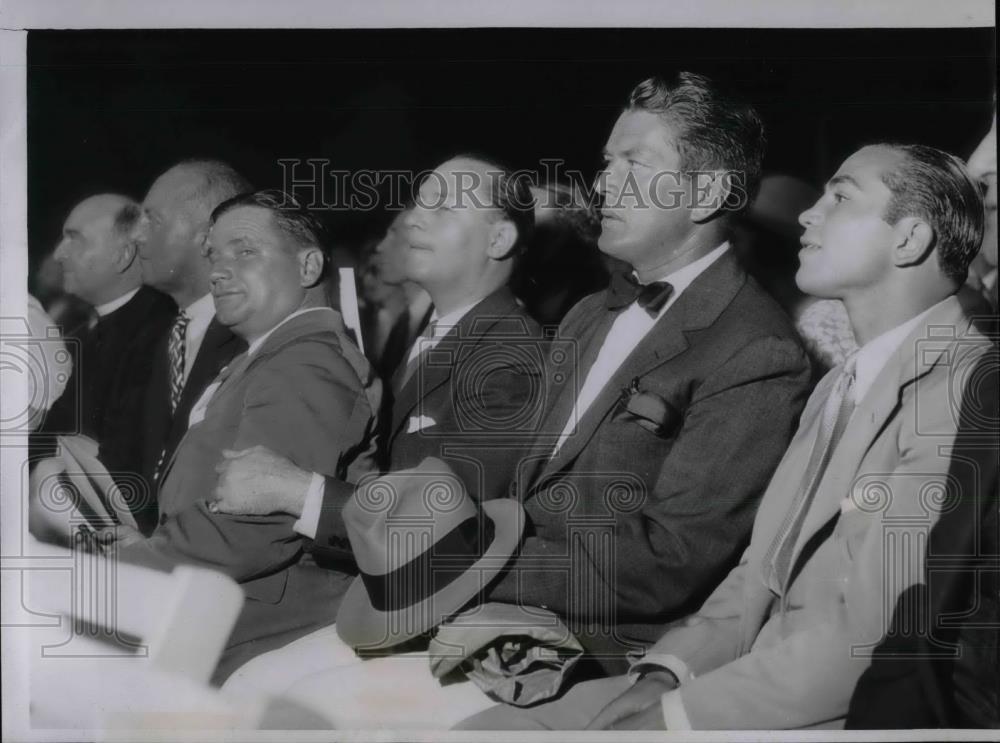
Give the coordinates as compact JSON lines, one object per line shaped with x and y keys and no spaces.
{"x":290,"y":217}
{"x":511,"y":194}
{"x":936,"y":186}
{"x":713,"y":132}
{"x":220,"y":182}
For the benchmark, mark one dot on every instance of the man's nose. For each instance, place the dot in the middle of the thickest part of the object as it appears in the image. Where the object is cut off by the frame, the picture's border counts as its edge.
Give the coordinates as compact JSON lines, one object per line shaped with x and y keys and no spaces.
{"x":608,"y":184}
{"x":810,"y":216}
{"x":415,"y":219}
{"x":221,"y":270}
{"x":60,"y":252}
{"x":140,"y":233}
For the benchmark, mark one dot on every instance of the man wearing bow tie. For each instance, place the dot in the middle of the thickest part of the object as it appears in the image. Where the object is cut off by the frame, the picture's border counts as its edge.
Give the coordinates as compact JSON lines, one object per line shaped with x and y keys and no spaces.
{"x":689,"y":382}
{"x":301,"y":389}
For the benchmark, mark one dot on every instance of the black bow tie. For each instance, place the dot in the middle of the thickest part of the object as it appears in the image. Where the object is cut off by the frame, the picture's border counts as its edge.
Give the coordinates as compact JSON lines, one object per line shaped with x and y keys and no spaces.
{"x":624,"y":290}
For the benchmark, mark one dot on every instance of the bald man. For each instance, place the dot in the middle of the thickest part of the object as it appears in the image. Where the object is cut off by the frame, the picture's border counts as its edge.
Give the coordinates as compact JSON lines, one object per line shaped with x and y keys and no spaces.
{"x":170,"y":238}
{"x":104,"y":395}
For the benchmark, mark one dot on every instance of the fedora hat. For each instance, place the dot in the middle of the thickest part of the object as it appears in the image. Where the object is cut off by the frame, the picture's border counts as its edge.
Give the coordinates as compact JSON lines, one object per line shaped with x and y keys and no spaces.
{"x":424,"y":548}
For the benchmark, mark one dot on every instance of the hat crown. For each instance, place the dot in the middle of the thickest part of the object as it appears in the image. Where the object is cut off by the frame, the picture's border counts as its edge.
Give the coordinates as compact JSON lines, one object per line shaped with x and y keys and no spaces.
{"x":394,"y":517}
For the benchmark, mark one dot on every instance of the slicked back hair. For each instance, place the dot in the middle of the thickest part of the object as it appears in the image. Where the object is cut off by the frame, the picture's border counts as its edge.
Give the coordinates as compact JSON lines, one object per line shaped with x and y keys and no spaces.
{"x":292,"y":219}
{"x":510,"y":192}
{"x":712,"y":132}
{"x":936,"y":186}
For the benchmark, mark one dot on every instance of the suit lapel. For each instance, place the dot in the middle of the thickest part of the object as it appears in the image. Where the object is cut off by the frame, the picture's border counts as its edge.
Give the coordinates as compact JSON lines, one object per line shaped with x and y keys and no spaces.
{"x":697,"y":308}
{"x":476,"y":323}
{"x":309,"y":323}
{"x":915,"y":357}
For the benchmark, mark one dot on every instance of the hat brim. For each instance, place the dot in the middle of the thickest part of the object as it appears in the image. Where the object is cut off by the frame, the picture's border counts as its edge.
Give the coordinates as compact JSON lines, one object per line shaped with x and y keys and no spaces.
{"x":364,"y":627}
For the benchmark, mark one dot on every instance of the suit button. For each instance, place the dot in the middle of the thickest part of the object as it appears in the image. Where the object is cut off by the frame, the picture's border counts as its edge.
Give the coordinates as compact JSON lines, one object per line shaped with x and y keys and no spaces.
{"x":163,"y":519}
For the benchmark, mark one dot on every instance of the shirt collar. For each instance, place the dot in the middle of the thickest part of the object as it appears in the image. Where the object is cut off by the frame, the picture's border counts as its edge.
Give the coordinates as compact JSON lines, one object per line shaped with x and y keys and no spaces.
{"x":875,"y":354}
{"x":444,"y":323}
{"x":260,"y":341}
{"x":108,"y":307}
{"x":202,"y":308}
{"x":682,"y":278}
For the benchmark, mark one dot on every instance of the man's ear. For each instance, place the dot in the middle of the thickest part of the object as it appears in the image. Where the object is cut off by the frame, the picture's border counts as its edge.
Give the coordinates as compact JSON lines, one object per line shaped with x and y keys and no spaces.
{"x":311,"y":262}
{"x":914,"y":241}
{"x":200,"y":237}
{"x":503,"y":235}
{"x":709,"y":191}
{"x":126,"y":255}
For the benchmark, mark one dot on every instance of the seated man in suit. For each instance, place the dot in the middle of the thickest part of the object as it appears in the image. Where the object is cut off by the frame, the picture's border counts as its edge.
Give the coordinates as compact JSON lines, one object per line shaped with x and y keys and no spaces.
{"x":170,"y":238}
{"x":104,"y":395}
{"x":467,"y":389}
{"x":301,"y":389}
{"x":841,"y":531}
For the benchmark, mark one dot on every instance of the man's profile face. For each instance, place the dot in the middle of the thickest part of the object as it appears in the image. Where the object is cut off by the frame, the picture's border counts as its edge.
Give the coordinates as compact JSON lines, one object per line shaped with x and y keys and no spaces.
{"x":983,"y":167}
{"x":391,"y":252}
{"x":256,"y":277}
{"x":88,"y":251}
{"x":847,"y":244}
{"x":165,"y":235}
{"x":646,"y":200}
{"x":450,"y":227}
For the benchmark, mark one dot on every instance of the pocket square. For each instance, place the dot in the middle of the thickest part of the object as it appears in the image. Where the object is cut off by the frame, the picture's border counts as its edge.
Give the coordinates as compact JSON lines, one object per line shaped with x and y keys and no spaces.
{"x":649,"y":410}
{"x":420,"y":423}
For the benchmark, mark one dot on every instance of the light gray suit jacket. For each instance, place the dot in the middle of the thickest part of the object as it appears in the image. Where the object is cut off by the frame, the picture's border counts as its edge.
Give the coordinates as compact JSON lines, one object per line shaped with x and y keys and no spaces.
{"x":762,"y":654}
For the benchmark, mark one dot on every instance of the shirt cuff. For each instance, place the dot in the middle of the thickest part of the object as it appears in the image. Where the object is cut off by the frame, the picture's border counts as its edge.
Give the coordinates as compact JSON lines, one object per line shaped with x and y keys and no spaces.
{"x":673,"y":711}
{"x":308,"y":522}
{"x":650,"y":661}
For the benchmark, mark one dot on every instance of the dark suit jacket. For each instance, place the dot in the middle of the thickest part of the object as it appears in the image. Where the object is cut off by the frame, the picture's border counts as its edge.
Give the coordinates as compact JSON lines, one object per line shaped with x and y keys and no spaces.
{"x":163,"y":430}
{"x":308,"y":394}
{"x":112,"y":370}
{"x":474,"y":402}
{"x":632,"y":525}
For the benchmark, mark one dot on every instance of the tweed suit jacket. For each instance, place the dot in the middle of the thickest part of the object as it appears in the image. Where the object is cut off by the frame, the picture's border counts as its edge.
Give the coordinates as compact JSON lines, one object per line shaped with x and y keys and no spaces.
{"x":634,"y":521}
{"x":768,"y":651}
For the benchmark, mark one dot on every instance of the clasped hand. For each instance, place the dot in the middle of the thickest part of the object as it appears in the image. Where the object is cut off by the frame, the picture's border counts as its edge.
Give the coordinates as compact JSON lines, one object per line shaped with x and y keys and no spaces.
{"x":257,"y":482}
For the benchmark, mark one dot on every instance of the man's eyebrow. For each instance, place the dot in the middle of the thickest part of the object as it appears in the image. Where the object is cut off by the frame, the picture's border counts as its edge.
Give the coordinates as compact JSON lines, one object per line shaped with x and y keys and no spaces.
{"x":838,"y":179}
{"x":71,"y":233}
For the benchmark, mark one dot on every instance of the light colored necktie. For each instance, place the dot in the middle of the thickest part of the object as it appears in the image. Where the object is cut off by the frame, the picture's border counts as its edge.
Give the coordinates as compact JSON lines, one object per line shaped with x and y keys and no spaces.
{"x":175,"y":352}
{"x":836,"y":413}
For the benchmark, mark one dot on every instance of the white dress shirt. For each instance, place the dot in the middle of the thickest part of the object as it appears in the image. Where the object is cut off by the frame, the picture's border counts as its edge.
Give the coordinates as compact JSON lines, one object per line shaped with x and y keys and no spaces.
{"x":441,"y":327}
{"x":200,"y":312}
{"x":872,"y":358}
{"x":625,"y":334}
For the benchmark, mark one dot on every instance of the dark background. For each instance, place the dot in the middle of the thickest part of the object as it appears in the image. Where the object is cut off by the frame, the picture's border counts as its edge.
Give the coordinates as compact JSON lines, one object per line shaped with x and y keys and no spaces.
{"x":109,"y":110}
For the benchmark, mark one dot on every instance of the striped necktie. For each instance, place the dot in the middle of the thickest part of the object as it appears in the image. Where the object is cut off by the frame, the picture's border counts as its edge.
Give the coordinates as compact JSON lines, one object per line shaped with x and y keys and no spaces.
{"x":836,"y":413}
{"x":175,"y":352}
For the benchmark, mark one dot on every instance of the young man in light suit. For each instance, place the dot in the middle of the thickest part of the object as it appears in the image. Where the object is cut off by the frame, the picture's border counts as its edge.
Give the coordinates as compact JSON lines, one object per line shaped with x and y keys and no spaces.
{"x":301,"y":389}
{"x":840,"y":532}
